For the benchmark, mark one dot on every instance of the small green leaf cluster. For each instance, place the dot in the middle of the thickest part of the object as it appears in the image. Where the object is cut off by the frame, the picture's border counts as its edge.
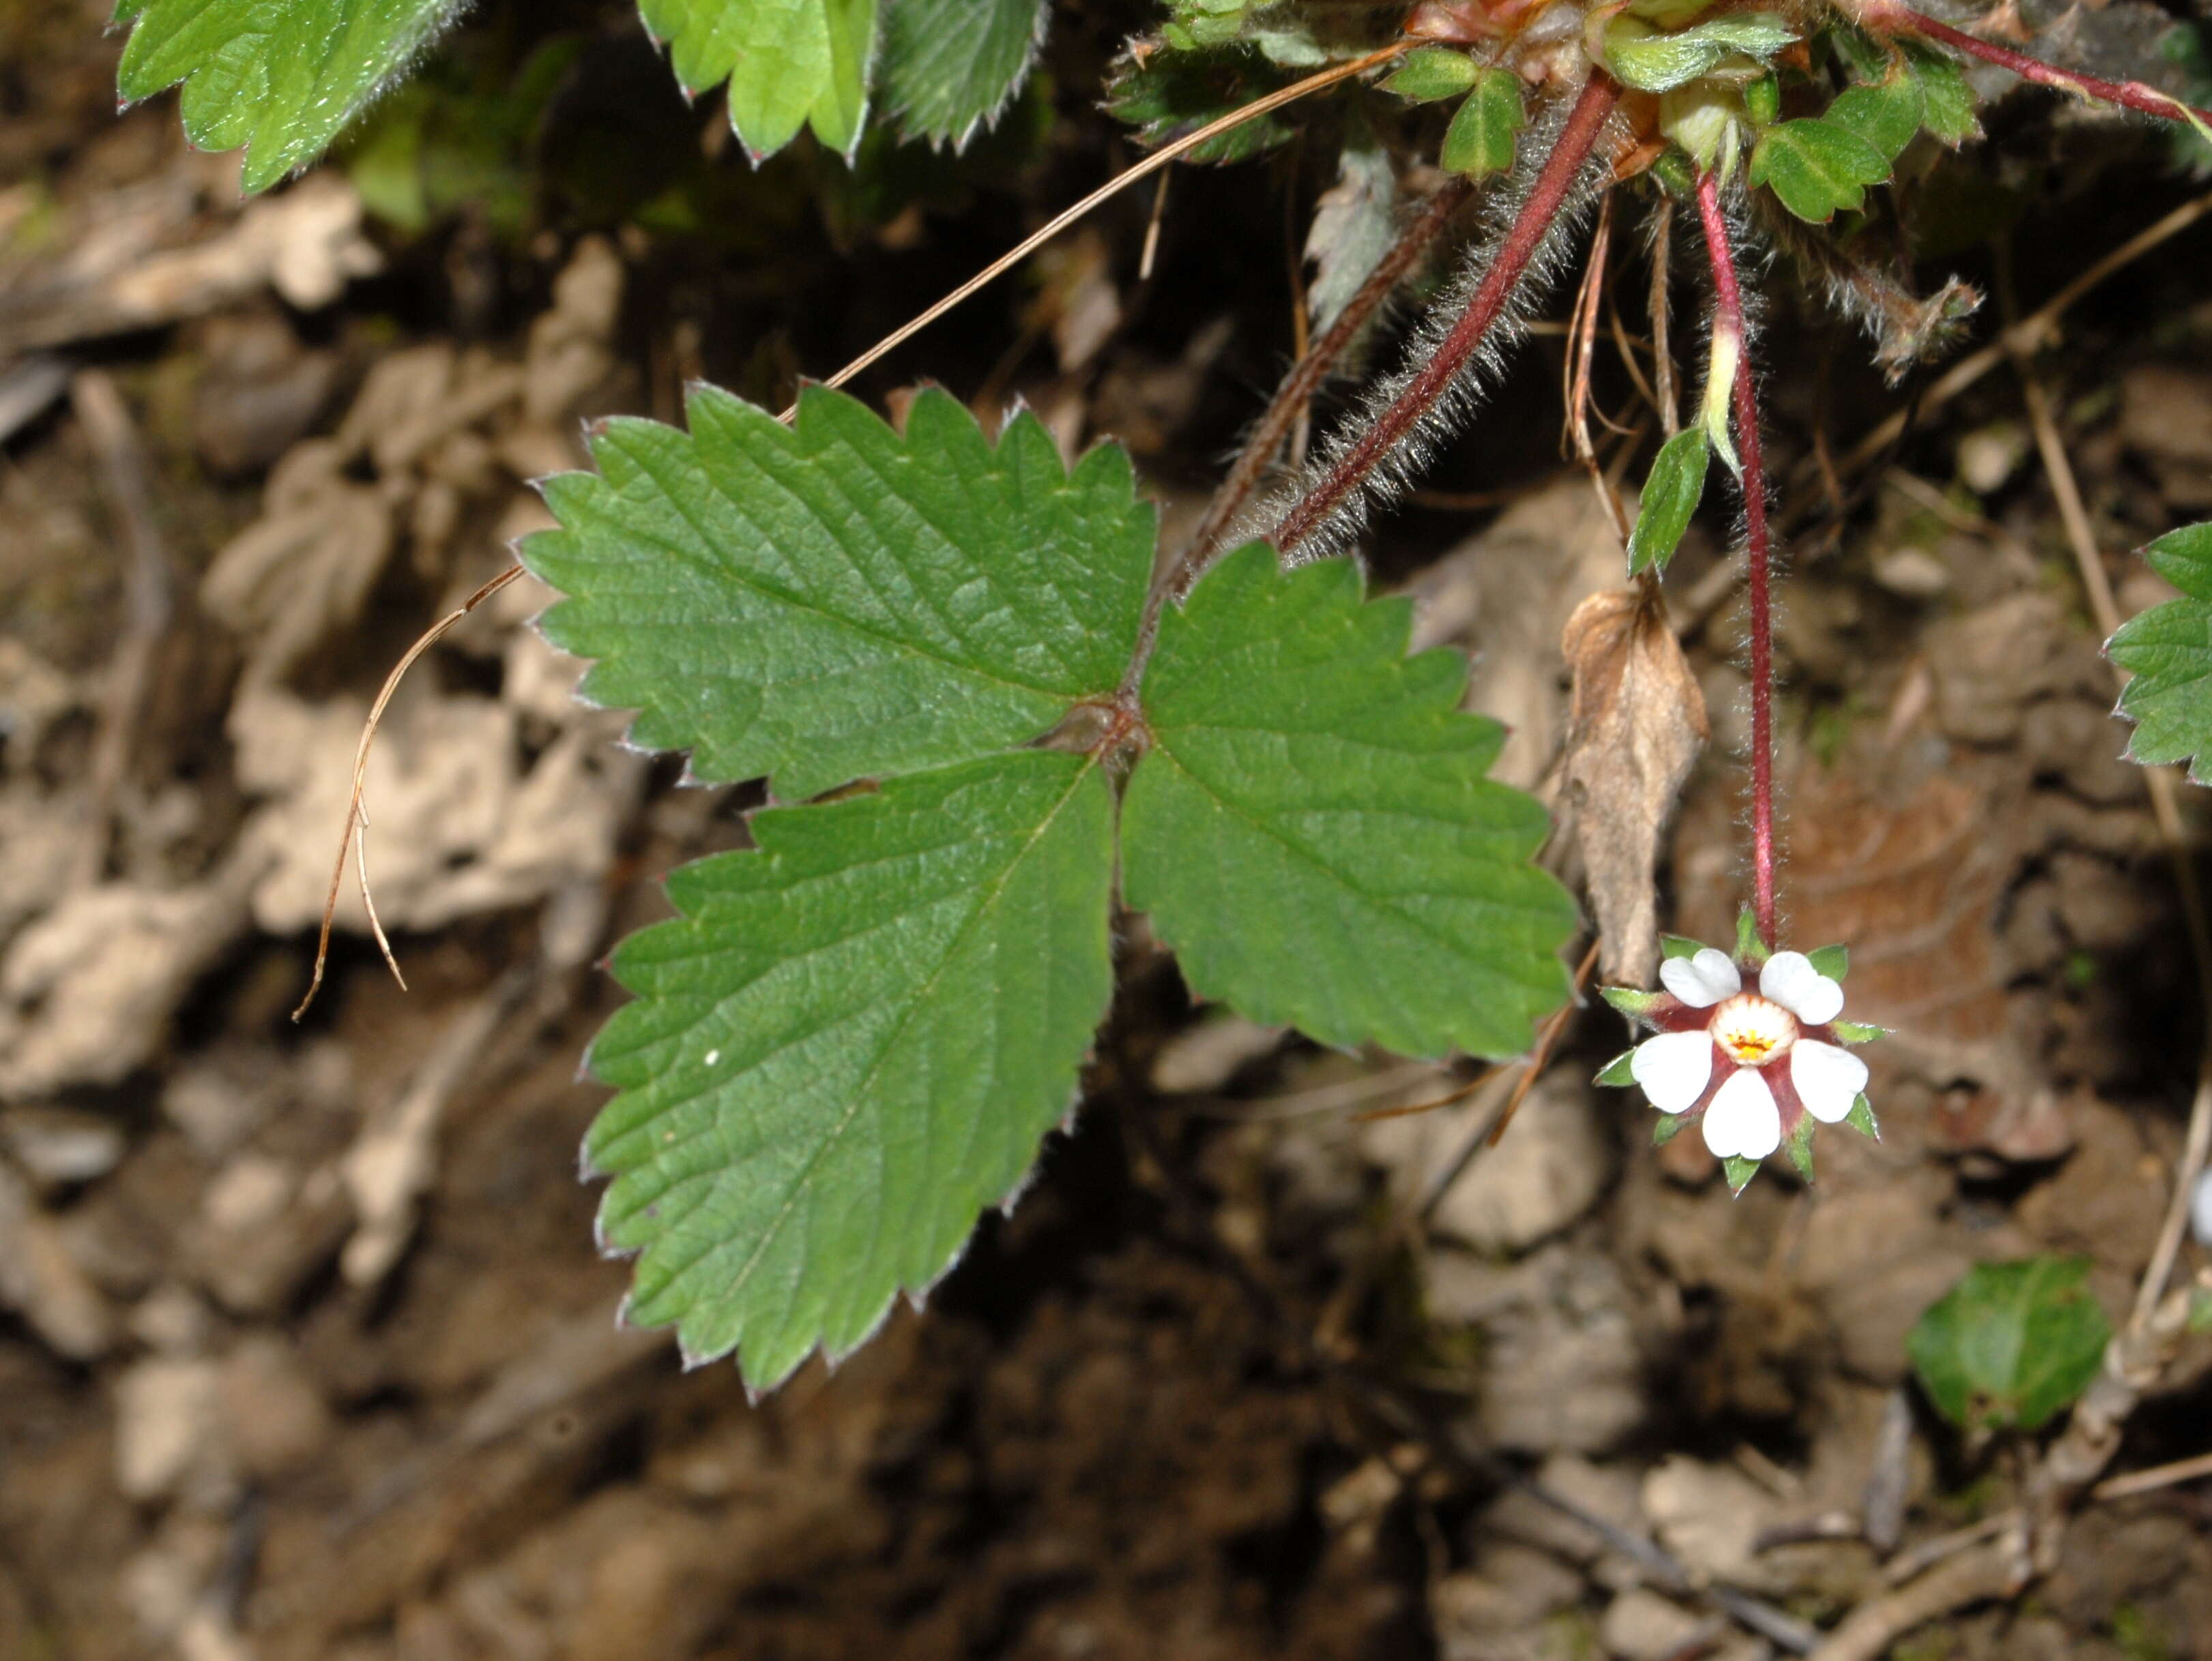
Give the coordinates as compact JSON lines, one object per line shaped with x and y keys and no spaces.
{"x":852,"y":1037}
{"x":1485,"y":129}
{"x":281,"y":78}
{"x":2011,"y":1345}
{"x":2167,"y":649}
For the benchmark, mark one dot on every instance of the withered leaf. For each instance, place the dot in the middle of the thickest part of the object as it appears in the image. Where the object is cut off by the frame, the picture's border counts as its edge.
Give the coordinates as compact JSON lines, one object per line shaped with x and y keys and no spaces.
{"x":1635,"y":723}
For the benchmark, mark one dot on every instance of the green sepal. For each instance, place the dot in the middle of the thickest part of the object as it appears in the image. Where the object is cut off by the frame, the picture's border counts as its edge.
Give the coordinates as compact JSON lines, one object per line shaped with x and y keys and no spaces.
{"x":1833,"y":962}
{"x":1800,"y":1147}
{"x":1620,"y":1072}
{"x":1671,"y":494}
{"x":1762,"y":101}
{"x":1860,"y":1118}
{"x":1857,"y":1031}
{"x":1428,"y":73}
{"x":1636,"y":1005}
{"x":1741,"y":1171}
{"x":1676,"y":945}
{"x":1749,"y":947}
{"x":1668,"y":1127}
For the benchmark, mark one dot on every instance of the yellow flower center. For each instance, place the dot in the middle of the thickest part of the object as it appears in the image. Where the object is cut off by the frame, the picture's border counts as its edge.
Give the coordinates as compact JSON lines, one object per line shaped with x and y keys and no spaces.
{"x":1753,"y":1029}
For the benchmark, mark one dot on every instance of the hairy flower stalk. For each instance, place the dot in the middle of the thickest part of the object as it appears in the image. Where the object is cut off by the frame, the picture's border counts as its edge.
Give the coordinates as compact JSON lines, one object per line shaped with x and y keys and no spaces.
{"x":1728,"y":345}
{"x":1329,"y":505}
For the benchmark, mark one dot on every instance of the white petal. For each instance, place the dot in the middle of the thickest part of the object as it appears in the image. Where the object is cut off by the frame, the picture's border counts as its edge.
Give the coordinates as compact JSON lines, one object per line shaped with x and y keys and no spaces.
{"x":1790,"y":981}
{"x":1673,"y":1068}
{"x":1743,"y":1121}
{"x":2200,"y":1209}
{"x":1828,"y":1079}
{"x":1703,"y":980}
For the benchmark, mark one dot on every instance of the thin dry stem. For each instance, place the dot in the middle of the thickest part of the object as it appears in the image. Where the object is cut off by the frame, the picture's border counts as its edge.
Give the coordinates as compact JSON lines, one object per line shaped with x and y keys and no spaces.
{"x":1112,"y":187}
{"x":355,"y":818}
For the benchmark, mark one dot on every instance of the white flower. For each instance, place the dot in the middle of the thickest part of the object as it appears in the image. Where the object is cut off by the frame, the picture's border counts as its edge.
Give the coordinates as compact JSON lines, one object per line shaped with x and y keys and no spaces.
{"x":1753,"y":1063}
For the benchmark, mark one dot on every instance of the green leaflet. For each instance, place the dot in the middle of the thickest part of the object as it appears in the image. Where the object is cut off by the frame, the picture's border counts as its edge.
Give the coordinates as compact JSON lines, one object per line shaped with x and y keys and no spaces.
{"x":2168,"y":651}
{"x":1312,"y":829}
{"x":1428,"y":73}
{"x":1816,"y":167}
{"x":280,"y":77}
{"x":1485,"y":129}
{"x":951,"y":66}
{"x":788,"y":62}
{"x":831,"y":601}
{"x":1652,"y":62}
{"x":1886,"y":113}
{"x":847,"y":1048}
{"x":2012,"y":1344}
{"x":1671,"y":495}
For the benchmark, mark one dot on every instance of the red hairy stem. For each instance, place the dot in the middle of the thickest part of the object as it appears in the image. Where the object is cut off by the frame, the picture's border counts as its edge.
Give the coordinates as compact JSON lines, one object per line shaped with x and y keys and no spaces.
{"x":1555,"y":183}
{"x":2128,"y":94}
{"x":1728,"y":321}
{"x":1306,"y":376}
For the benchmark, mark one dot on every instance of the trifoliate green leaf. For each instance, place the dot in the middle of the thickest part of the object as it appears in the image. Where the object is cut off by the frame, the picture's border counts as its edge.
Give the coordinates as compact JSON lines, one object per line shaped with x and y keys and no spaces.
{"x":1833,"y":962}
{"x":1619,"y":1072}
{"x":1650,"y":61}
{"x":1671,"y":495}
{"x":1312,"y":830}
{"x":2168,"y":651}
{"x":1428,"y":73}
{"x":1173,"y":93}
{"x":1948,"y":103}
{"x":1886,"y":113}
{"x":2012,"y":1344}
{"x":788,"y":62}
{"x":1816,"y":167}
{"x":847,"y":1045}
{"x":280,"y":77}
{"x":830,"y":600}
{"x":1486,"y":128}
{"x":950,"y":66}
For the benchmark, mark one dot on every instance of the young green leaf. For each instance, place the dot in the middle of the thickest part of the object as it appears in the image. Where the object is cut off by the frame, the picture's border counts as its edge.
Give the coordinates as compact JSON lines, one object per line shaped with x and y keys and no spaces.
{"x":1428,"y":73}
{"x":1312,"y":830}
{"x":830,"y":600}
{"x":788,"y":62}
{"x":1651,"y":62}
{"x":1485,"y":127}
{"x":1816,"y":167}
{"x":1886,"y":113}
{"x":951,"y":66}
{"x":1172,"y":93}
{"x":1947,"y":102}
{"x":847,"y":1045}
{"x":1671,"y":495}
{"x":281,"y":77}
{"x":2168,"y":651}
{"x":2012,"y":1344}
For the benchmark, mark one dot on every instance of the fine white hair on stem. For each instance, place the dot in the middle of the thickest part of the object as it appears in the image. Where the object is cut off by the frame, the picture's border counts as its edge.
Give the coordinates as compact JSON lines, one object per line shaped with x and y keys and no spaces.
{"x":1396,"y":470}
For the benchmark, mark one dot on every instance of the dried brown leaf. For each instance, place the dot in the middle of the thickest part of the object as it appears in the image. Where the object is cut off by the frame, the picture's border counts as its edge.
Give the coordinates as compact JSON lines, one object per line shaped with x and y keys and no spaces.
{"x":1636,"y":724}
